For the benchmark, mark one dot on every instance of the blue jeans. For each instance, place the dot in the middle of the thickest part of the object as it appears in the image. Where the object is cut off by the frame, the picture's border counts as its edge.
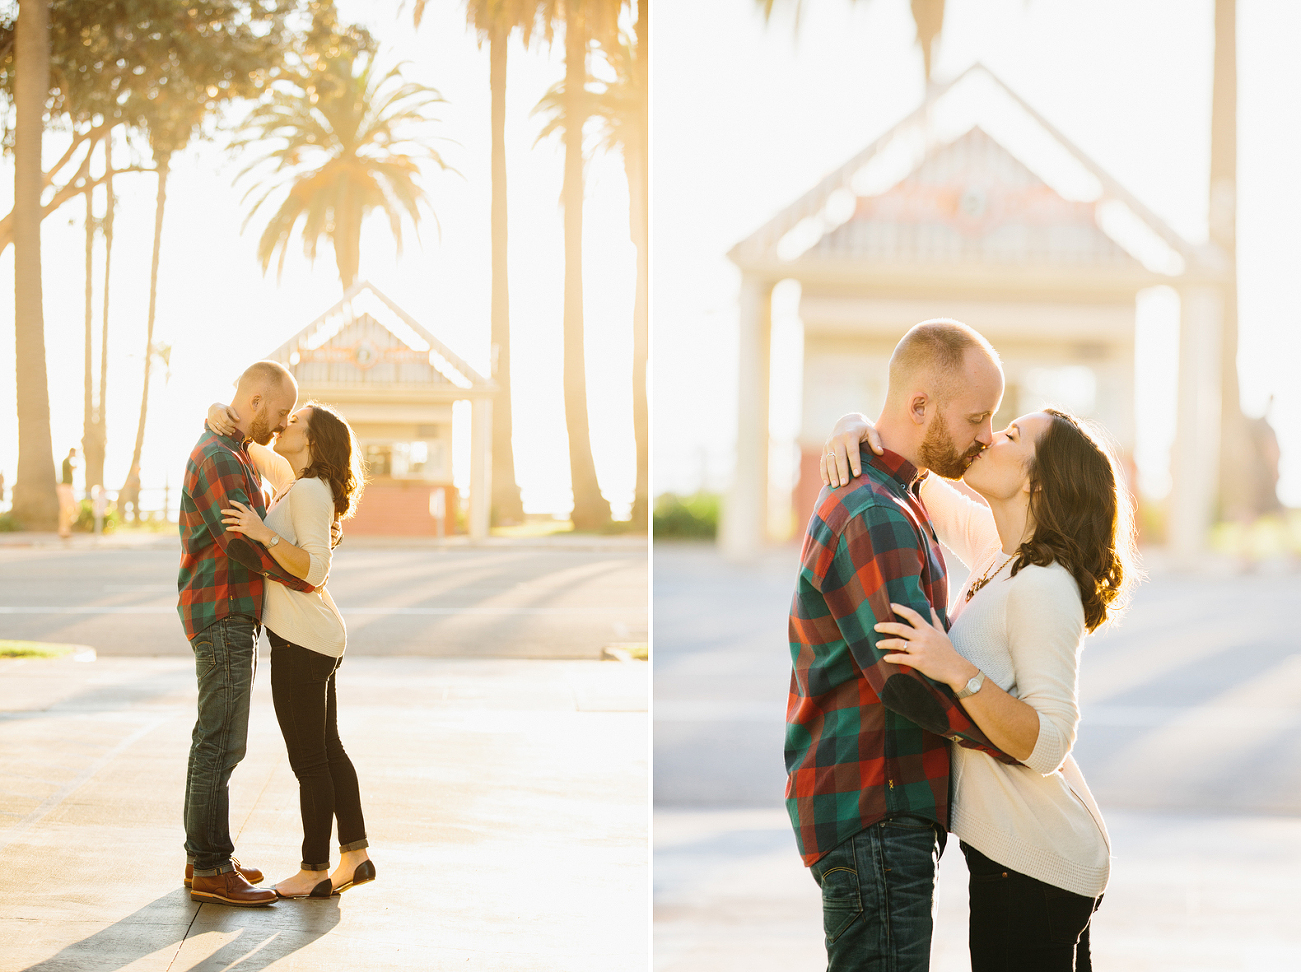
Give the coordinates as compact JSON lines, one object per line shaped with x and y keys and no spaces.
{"x":878,"y":895}
{"x":225,"y":658}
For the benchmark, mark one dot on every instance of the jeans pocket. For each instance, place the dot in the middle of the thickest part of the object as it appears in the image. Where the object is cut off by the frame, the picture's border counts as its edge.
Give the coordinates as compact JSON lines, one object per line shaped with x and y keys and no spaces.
{"x":908,"y":823}
{"x":320,"y":667}
{"x":1068,"y":914}
{"x":841,"y":901}
{"x":204,"y":656}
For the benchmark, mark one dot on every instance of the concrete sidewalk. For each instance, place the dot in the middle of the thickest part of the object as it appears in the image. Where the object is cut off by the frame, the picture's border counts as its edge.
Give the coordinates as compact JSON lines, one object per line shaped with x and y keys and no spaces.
{"x":505,"y":800}
{"x":1189,"y":893}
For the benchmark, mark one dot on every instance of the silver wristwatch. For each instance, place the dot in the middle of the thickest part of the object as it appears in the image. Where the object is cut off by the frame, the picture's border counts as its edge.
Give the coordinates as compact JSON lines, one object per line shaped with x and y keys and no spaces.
{"x":275,"y":539}
{"x":973,"y":685}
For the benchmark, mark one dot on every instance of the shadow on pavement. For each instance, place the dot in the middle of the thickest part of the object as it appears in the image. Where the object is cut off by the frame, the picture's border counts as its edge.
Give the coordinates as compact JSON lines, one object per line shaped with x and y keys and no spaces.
{"x":257,"y":938}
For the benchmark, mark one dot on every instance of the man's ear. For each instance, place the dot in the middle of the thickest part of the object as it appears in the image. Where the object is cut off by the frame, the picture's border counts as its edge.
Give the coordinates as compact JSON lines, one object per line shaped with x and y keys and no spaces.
{"x":917,"y":406}
{"x":256,"y":403}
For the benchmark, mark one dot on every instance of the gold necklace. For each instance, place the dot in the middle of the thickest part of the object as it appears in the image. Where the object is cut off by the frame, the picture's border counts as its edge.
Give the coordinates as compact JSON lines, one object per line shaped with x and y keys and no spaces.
{"x":986,"y":578}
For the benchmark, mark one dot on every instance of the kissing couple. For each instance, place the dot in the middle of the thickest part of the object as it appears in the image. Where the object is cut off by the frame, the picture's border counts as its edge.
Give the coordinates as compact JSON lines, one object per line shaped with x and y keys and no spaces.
{"x":244,"y":566}
{"x":910,"y":718}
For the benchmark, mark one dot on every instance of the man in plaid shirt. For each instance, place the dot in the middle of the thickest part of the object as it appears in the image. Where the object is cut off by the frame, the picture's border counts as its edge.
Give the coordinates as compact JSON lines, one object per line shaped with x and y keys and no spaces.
{"x":866,"y":741}
{"x":221,"y":581}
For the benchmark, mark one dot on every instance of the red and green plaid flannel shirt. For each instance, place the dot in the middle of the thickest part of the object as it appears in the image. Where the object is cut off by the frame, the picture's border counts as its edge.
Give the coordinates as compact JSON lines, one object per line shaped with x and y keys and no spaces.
{"x":222,"y":573}
{"x":866,"y":739}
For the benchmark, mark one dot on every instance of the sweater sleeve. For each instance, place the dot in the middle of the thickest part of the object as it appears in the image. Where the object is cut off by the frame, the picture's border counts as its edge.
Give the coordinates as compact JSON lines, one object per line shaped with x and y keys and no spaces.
{"x":272,"y":467}
{"x":221,"y":478}
{"x":963,"y":525}
{"x":1045,"y":628}
{"x":311,"y":510}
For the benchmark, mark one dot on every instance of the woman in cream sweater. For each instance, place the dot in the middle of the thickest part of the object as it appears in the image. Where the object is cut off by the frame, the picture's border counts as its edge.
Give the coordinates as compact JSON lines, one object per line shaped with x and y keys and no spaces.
{"x":1050,"y":559}
{"x":315,"y":471}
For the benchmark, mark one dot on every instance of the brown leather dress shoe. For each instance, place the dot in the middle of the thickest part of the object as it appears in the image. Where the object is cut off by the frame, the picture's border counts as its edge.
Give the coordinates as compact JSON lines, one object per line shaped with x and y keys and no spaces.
{"x":251,"y":874}
{"x":230,"y":889}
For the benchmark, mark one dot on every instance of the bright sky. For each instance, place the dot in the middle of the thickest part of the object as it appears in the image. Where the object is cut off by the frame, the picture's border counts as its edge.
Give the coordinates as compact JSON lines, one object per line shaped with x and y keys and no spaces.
{"x":219,"y":313}
{"x":747,"y":120}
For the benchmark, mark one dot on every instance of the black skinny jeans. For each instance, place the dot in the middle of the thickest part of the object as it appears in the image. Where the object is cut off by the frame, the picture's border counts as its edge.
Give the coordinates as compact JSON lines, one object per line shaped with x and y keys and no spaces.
{"x":302,"y":688}
{"x":1019,"y":924}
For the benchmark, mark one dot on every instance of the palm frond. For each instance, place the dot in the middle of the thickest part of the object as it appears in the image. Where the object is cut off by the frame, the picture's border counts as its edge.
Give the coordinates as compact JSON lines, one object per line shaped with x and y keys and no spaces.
{"x":355,"y":149}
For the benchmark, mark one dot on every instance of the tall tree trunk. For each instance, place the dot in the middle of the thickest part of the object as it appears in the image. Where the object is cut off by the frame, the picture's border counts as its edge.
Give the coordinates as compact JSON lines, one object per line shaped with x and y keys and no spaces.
{"x":506,"y":504}
{"x":96,"y":440}
{"x":591,"y":511}
{"x":928,"y":16}
{"x":346,"y":240}
{"x":639,"y":200}
{"x":163,"y":161}
{"x":88,"y":411}
{"x":1235,"y":462}
{"x":35,"y":503}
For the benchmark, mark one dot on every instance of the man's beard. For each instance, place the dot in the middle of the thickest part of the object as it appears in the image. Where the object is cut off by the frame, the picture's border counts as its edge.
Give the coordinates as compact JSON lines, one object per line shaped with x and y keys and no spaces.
{"x":939,"y":454}
{"x":259,"y":431}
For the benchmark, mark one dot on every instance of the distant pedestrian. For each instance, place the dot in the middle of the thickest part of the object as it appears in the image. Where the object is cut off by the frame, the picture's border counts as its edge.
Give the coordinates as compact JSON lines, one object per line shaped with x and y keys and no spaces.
{"x":2,"y":487}
{"x":67,"y":501}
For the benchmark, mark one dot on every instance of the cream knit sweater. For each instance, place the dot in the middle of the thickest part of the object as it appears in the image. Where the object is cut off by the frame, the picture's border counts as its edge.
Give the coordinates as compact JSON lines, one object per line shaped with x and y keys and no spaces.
{"x":301,"y":513}
{"x":1025,"y":634}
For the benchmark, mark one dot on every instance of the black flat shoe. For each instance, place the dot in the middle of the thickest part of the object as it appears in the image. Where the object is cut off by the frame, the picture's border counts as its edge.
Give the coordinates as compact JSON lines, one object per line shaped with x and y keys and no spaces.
{"x":322,"y":890}
{"x":310,"y":894}
{"x":364,"y":873}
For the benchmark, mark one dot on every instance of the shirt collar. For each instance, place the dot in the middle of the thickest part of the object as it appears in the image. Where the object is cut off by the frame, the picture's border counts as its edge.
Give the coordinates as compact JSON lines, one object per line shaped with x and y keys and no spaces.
{"x":235,"y":441}
{"x":896,"y":467}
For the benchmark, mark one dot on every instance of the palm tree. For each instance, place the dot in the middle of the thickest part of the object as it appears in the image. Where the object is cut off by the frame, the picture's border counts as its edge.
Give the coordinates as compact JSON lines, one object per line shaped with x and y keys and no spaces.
{"x":94,"y":437}
{"x":494,"y":21}
{"x":35,"y":504}
{"x":1235,"y":501}
{"x":163,"y":164}
{"x":584,"y":21}
{"x":640,"y":228}
{"x":623,"y":111}
{"x":200,"y":68}
{"x":620,"y":109}
{"x":345,"y":144}
{"x":89,"y":404}
{"x":928,"y":16}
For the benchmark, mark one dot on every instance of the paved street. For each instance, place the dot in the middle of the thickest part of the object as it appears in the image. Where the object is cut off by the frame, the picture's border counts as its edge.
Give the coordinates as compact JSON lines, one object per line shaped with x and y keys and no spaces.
{"x":1189,"y":740}
{"x":505,"y":796}
{"x":522,"y":600}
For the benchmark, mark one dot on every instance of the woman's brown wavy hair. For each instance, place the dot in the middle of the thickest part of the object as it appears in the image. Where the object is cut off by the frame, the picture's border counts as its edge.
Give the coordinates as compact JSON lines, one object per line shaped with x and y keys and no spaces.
{"x":336,"y":458}
{"x":1083,"y":516}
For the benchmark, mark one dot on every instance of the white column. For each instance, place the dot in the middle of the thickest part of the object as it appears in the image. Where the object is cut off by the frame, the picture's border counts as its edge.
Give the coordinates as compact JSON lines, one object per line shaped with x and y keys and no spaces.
{"x":480,"y":466}
{"x":1114,"y":399}
{"x":1194,"y":460}
{"x":745,"y":509}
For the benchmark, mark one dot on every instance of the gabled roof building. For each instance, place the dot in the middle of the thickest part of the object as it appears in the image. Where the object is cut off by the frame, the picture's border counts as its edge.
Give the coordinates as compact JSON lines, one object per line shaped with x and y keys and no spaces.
{"x":395,"y":383}
{"x":976,"y":208}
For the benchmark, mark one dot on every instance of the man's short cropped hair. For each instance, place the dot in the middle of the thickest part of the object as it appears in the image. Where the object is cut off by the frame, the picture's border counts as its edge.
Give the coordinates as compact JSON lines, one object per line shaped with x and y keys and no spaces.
{"x":938,"y":347}
{"x":266,"y":375}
